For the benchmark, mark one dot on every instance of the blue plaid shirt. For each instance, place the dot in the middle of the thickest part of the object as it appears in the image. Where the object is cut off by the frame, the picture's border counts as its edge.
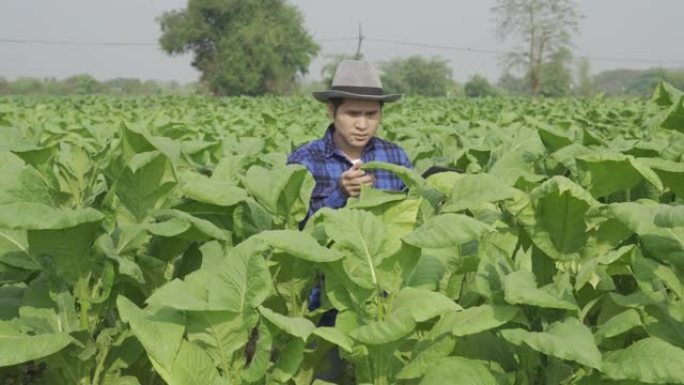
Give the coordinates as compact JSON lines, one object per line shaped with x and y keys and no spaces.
{"x":326,"y":163}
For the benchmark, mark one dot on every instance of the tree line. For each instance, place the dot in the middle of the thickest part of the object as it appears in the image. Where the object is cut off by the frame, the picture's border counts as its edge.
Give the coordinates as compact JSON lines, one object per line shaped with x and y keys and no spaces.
{"x":85,"y":84}
{"x":415,"y":75}
{"x":243,"y":47}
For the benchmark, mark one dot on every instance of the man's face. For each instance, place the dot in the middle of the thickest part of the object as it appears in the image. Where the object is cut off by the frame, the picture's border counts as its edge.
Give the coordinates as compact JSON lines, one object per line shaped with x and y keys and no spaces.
{"x":356,"y":122}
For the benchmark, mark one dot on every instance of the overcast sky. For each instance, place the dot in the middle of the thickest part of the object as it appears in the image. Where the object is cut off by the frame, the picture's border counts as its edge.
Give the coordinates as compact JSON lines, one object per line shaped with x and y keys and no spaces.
{"x":613,"y":34}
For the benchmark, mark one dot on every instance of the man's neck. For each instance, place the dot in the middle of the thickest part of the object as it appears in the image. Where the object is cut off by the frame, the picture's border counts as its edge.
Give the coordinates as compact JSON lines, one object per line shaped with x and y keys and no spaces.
{"x":350,"y":152}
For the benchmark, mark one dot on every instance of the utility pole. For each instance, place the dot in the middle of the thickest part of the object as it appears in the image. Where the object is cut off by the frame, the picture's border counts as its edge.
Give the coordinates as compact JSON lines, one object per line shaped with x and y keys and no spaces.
{"x":358,"y":47}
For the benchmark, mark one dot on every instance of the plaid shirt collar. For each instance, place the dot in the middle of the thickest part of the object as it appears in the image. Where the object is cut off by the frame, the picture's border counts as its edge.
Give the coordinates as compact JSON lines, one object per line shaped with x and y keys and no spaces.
{"x":331,"y":149}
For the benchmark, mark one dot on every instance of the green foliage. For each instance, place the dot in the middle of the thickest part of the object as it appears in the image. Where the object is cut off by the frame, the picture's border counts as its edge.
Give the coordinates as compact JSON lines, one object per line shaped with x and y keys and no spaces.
{"x":555,"y":74}
{"x":512,"y":85}
{"x":585,"y":86}
{"x":636,"y":82}
{"x":241,"y":47}
{"x":156,"y":241}
{"x":478,"y":87}
{"x":416,"y":75}
{"x":87,"y":85}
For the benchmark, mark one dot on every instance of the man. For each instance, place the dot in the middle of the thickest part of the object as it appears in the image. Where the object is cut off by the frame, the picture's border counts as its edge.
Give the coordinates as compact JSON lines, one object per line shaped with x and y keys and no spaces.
{"x":355,"y":104}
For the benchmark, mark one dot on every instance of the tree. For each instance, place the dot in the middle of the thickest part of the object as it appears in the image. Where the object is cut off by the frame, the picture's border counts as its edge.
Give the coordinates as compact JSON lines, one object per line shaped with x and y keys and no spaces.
{"x":241,"y":47}
{"x":478,"y":86}
{"x":418,"y":76}
{"x":584,"y":83}
{"x":556,"y":74}
{"x":83,"y":84}
{"x":543,"y":26}
{"x":636,"y":82}
{"x":512,"y":85}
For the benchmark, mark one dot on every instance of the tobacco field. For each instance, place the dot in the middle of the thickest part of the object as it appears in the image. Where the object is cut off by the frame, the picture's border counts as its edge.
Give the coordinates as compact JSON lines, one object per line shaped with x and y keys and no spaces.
{"x":150,"y":241}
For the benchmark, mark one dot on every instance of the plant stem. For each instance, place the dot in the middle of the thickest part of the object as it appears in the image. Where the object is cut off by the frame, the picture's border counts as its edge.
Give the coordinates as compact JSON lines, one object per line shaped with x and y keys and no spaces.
{"x":84,"y":302}
{"x":100,"y":366}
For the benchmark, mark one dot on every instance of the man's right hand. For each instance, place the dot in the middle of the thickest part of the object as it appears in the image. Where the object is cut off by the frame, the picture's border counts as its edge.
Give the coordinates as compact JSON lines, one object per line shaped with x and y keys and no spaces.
{"x":352,"y":180}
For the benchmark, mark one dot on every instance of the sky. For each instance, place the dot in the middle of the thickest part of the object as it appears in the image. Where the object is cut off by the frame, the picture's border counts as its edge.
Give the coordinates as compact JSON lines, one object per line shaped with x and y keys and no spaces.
{"x":48,"y":38}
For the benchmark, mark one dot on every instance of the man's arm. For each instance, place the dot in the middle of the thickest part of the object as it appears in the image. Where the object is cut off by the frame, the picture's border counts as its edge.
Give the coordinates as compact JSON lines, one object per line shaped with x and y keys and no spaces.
{"x":404,"y":159}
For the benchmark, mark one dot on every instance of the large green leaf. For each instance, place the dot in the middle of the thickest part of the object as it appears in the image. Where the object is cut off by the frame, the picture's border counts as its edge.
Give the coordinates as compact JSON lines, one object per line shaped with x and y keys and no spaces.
{"x":220,"y":334}
{"x":609,"y":173}
{"x":458,"y":370}
{"x":192,"y":366}
{"x":520,"y":287}
{"x":262,"y":356}
{"x":19,"y":183}
{"x":36,"y":216}
{"x":335,"y":336}
{"x":16,"y":347}
{"x":671,"y":173}
{"x":423,"y":305}
{"x":654,"y":279}
{"x":398,"y":325}
{"x":665,"y":244}
{"x":557,"y":224}
{"x":399,"y":218}
{"x":474,"y":320}
{"x":411,"y":179}
{"x":472,"y":190}
{"x":670,"y":216}
{"x":145,"y":183}
{"x":447,"y":230}
{"x":425,"y":355}
{"x":14,"y":249}
{"x":618,"y":324}
{"x":160,"y":332}
{"x":567,"y":340}
{"x":296,"y":326}
{"x":649,"y":360}
{"x":184,"y":225}
{"x":215,"y":192}
{"x":362,"y":237}
{"x":285,"y":191}
{"x":299,"y":244}
{"x":240,"y":282}
{"x":674,"y":119}
{"x":288,"y":362}
{"x":66,"y":238}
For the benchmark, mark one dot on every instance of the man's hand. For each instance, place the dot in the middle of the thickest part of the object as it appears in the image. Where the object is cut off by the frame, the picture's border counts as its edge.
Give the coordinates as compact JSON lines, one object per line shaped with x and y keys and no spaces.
{"x":352,"y":180}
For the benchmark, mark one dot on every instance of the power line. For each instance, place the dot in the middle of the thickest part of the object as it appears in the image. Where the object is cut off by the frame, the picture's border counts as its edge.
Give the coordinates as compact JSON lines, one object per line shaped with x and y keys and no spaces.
{"x":118,"y":43}
{"x":437,"y":46}
{"x":338,"y":39}
{"x":76,"y":43}
{"x":495,"y":52}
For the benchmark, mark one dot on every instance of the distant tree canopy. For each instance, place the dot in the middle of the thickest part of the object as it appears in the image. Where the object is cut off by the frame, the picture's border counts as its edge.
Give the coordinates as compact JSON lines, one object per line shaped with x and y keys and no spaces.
{"x":418,"y":76}
{"x":513,"y":86}
{"x":87,"y":85}
{"x":636,"y":82}
{"x":556,"y":75}
{"x":544,"y":27}
{"x":585,"y":86}
{"x":478,"y":86}
{"x":555,"y":78}
{"x":241,"y":47}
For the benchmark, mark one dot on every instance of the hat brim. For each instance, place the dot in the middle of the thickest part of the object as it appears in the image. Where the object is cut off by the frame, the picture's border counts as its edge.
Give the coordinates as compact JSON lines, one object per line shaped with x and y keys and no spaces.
{"x":325,"y":96}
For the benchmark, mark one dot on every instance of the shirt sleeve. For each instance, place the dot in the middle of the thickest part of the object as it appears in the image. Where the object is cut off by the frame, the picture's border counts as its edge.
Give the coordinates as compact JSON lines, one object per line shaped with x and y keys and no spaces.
{"x":404,"y":159}
{"x":334,"y":199}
